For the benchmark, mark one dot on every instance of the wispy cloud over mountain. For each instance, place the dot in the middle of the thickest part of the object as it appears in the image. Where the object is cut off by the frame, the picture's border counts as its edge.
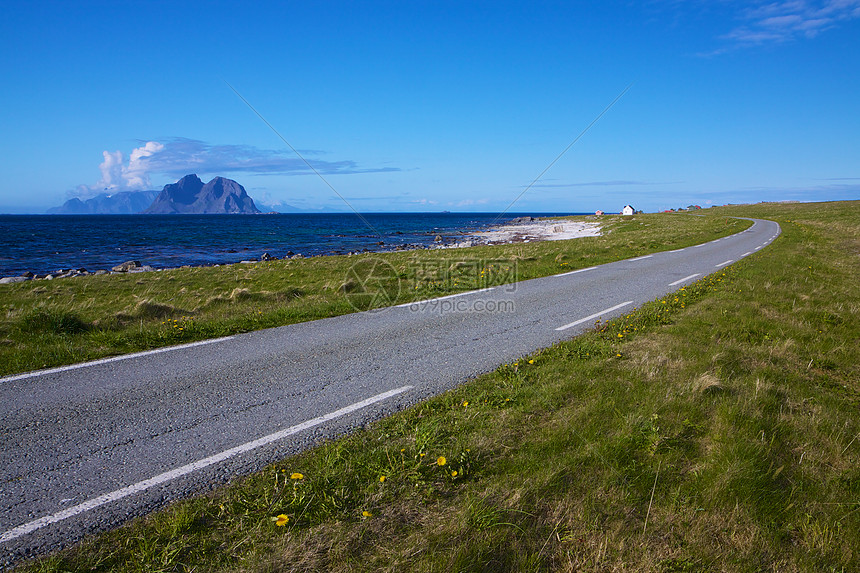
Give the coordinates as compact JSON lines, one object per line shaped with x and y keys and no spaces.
{"x":179,"y":156}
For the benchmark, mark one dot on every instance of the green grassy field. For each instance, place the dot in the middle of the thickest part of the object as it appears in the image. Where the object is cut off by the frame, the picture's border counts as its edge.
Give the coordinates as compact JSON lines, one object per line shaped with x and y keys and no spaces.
{"x":715,"y":429}
{"x":52,"y":323}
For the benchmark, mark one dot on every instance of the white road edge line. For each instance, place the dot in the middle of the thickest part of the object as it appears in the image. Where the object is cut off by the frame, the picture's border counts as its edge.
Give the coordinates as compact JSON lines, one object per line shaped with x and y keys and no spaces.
{"x":641,"y":258}
{"x":574,"y":272}
{"x":676,"y":251}
{"x":728,"y":262}
{"x":746,"y":254}
{"x":187,"y":469}
{"x":684,"y":279}
{"x":443,"y":297}
{"x":112,"y":359}
{"x":595,"y":315}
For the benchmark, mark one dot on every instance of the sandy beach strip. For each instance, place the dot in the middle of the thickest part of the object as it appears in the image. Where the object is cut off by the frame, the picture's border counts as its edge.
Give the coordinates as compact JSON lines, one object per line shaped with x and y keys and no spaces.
{"x":529,"y":231}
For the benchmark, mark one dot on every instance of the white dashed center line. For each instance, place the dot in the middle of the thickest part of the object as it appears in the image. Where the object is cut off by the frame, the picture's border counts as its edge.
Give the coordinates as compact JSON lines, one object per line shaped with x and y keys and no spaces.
{"x":429,"y":300}
{"x":595,"y":315}
{"x":574,"y":272}
{"x":112,"y":359}
{"x":187,"y":469}
{"x":684,"y":279}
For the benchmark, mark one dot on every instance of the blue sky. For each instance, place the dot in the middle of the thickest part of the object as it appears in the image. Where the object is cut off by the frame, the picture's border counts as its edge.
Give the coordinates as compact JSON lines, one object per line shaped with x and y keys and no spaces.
{"x":429,"y":106}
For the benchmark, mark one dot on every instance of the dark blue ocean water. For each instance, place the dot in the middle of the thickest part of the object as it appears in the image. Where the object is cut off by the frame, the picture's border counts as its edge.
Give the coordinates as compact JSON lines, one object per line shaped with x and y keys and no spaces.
{"x":46,"y":243}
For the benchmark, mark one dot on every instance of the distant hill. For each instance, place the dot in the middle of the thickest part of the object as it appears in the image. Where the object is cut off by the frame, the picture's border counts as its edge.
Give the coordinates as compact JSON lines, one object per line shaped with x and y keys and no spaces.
{"x":122,"y":203}
{"x":190,"y":196}
{"x":279,"y":208}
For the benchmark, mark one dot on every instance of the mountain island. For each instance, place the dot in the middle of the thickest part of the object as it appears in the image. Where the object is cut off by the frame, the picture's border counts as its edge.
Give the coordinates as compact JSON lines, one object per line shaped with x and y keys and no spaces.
{"x":188,"y":196}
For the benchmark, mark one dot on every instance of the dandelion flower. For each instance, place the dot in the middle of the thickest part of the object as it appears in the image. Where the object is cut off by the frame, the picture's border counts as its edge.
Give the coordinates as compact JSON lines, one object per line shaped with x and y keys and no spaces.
{"x":281,"y":520}
{"x":381,"y":478}
{"x":441,"y":461}
{"x":366,"y":513}
{"x":297,"y":476}
{"x":531,"y":361}
{"x":454,"y":474}
{"x":465,"y":403}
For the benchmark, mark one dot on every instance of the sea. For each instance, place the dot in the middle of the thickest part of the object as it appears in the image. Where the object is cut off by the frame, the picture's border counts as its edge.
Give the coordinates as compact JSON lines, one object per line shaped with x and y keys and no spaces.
{"x":47,"y":243}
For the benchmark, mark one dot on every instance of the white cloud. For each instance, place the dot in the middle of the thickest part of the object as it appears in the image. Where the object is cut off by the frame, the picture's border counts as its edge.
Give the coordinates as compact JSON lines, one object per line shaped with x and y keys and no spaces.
{"x":111,"y":169}
{"x":178,"y":156}
{"x":117,"y":176}
{"x":136,"y":173}
{"x":469,"y":202}
{"x":776,"y":22}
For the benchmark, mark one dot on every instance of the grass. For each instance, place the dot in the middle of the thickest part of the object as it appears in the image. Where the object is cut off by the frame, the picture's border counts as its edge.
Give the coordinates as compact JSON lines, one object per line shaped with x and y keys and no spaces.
{"x":52,"y":323}
{"x":714,"y":429}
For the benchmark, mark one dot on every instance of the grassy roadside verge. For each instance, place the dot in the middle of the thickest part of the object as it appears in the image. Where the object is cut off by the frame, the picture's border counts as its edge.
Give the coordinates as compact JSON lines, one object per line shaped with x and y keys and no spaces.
{"x":712,"y":430}
{"x":53,"y":323}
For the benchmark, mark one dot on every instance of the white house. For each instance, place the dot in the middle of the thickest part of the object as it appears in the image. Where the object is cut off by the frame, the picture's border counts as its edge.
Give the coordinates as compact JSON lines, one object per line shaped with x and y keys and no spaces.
{"x":627,"y":210}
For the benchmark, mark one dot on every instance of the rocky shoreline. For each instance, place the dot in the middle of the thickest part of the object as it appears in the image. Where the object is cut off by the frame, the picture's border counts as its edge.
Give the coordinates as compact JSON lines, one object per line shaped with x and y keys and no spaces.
{"x":519,"y":230}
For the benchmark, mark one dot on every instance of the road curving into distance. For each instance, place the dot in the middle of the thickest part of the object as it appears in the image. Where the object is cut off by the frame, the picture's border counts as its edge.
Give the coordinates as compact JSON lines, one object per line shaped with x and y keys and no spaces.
{"x":86,"y":447}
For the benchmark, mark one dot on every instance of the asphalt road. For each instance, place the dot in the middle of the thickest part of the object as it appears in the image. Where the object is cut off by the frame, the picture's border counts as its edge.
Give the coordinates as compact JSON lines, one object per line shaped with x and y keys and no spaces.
{"x":86,"y":447}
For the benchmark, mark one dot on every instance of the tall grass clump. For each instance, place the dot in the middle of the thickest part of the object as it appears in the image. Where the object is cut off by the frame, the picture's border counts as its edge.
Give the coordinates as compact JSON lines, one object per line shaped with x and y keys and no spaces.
{"x":51,"y":320}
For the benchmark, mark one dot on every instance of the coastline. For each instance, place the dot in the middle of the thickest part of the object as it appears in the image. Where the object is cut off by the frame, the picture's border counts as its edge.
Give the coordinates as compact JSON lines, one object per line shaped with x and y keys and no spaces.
{"x":523,"y":229}
{"x":528,"y":229}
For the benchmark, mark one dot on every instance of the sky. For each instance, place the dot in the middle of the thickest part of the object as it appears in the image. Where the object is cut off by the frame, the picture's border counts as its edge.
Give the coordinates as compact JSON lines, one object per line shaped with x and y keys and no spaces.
{"x":434,"y":105}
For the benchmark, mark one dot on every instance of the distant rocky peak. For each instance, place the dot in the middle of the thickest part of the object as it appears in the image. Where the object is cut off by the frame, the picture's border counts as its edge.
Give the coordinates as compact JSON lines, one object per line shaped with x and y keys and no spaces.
{"x":189,"y":195}
{"x":185,"y":190}
{"x":220,"y":186}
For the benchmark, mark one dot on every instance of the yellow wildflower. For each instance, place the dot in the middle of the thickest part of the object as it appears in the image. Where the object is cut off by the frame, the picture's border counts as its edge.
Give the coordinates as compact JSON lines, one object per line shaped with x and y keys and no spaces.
{"x":454,"y":474}
{"x":441,"y":461}
{"x":281,"y":520}
{"x":366,"y":513}
{"x":297,"y":476}
{"x":381,"y":478}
